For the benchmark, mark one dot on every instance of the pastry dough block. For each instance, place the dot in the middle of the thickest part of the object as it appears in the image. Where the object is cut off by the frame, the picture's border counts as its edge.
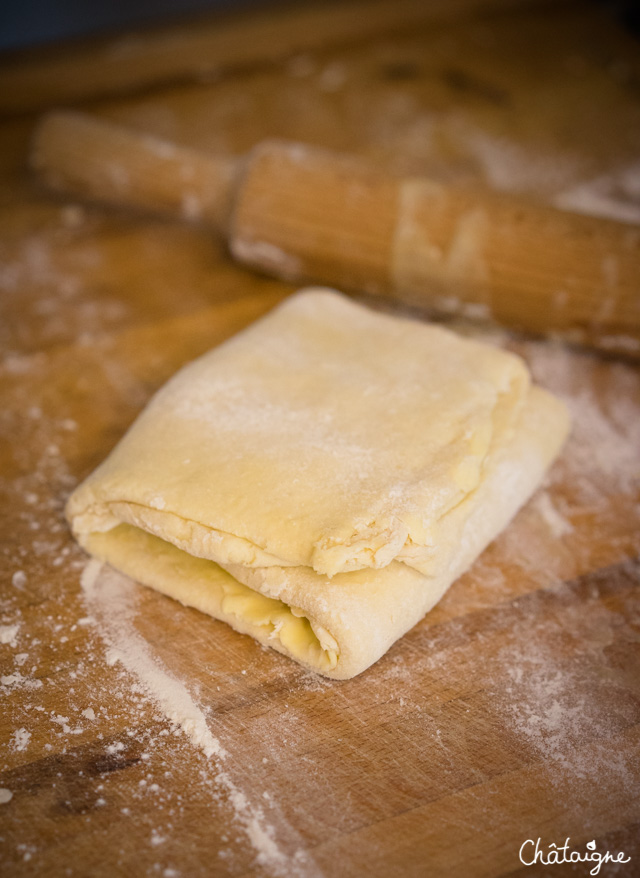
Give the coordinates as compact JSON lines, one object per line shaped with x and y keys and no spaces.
{"x":319,"y":480}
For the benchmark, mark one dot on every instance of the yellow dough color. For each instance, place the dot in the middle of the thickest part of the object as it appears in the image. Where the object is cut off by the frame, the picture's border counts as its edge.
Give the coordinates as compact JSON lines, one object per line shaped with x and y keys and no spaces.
{"x":319,"y":480}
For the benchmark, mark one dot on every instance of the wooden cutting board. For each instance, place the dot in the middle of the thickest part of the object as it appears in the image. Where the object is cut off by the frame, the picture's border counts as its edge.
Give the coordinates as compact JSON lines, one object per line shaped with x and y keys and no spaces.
{"x":512,"y":711}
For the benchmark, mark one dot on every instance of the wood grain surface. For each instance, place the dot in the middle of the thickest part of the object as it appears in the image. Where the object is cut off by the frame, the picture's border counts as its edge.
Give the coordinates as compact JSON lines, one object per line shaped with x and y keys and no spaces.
{"x":512,"y":711}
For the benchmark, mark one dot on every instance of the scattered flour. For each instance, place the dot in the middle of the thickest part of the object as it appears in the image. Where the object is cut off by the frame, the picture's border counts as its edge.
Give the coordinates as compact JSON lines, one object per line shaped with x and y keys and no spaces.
{"x":18,"y":681}
{"x":603,"y":454}
{"x":9,"y":633}
{"x":108,"y":591}
{"x":5,"y":795}
{"x":261,"y":838}
{"x":19,"y":579}
{"x":156,"y":838}
{"x":21,"y":738}
{"x":553,"y":703}
{"x":63,"y":722}
{"x":109,"y":596}
{"x":511,"y":167}
{"x":557,"y":524}
{"x":614,"y":196}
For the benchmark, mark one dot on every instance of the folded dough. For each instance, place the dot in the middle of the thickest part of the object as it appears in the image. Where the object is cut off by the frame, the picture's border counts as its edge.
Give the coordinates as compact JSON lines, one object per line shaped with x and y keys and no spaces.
{"x":319,"y":480}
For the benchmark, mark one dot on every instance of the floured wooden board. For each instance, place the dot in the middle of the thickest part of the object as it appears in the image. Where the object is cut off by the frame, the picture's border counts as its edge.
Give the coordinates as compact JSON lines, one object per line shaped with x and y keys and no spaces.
{"x":519,"y":688}
{"x":142,"y":738}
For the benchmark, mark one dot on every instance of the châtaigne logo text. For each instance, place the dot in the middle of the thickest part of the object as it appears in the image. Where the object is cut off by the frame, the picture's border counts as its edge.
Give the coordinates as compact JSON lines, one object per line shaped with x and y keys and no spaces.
{"x":532,"y":852}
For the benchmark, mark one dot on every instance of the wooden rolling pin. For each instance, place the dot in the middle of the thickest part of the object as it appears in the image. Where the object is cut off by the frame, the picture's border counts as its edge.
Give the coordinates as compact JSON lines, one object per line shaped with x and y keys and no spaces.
{"x":307,"y":214}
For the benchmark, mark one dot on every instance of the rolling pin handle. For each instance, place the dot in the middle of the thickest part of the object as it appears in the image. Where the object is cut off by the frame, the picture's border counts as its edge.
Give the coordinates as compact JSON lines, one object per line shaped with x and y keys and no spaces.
{"x":92,"y":158}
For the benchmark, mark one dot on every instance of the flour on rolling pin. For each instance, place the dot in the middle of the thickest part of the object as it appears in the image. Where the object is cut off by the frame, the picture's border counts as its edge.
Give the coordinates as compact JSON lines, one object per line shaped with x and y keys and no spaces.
{"x":532,"y":267}
{"x":428,"y":254}
{"x":274,"y":259}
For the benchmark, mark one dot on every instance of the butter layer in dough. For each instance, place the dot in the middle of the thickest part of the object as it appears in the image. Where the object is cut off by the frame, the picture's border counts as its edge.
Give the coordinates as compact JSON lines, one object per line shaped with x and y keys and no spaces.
{"x":340,"y":626}
{"x":325,"y":435}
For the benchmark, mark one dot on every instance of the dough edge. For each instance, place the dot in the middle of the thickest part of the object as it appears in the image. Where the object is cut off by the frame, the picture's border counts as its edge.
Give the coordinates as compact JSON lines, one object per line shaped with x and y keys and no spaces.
{"x":365,"y":611}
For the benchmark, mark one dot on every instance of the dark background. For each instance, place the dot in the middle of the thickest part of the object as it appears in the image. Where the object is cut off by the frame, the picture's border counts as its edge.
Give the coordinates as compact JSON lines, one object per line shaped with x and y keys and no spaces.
{"x":31,"y":22}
